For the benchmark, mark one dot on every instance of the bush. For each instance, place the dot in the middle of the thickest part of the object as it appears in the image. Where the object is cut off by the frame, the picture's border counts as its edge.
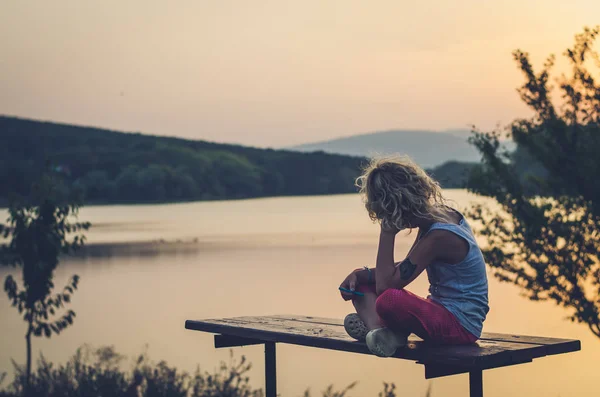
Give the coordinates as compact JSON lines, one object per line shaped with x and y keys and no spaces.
{"x":98,"y":372}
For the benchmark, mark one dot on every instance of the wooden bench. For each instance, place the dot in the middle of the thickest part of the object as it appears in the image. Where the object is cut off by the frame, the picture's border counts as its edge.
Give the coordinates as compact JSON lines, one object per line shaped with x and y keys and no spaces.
{"x":491,"y":351}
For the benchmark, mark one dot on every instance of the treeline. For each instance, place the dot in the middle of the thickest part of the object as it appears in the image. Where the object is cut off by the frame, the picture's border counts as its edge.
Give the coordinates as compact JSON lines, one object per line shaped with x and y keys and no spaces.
{"x":453,"y":174}
{"x":114,"y":167}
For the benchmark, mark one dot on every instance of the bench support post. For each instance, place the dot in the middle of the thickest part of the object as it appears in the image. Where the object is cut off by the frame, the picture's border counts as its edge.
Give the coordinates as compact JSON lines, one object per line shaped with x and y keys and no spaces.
{"x":270,"y":370}
{"x":476,"y":383}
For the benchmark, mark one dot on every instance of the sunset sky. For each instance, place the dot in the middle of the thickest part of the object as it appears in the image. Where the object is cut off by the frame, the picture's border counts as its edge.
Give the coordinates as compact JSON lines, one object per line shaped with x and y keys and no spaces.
{"x":276,"y":73}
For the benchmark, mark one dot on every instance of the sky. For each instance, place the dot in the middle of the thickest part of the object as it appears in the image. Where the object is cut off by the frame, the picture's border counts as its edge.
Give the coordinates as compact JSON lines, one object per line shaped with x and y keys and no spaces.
{"x":276,"y":73}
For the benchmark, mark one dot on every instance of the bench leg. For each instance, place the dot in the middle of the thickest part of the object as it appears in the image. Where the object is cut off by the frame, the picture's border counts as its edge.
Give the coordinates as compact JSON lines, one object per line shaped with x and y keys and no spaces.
{"x":270,"y":370}
{"x":476,"y":383}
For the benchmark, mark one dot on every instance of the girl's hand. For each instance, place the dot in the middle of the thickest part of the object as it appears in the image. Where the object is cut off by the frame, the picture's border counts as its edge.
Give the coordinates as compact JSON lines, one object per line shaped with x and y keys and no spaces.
{"x":349,"y":283}
{"x":388,"y":228}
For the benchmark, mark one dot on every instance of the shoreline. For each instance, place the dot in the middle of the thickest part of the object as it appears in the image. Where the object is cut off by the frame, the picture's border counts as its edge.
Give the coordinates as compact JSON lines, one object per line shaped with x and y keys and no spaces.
{"x":136,"y":248}
{"x":195,"y":246}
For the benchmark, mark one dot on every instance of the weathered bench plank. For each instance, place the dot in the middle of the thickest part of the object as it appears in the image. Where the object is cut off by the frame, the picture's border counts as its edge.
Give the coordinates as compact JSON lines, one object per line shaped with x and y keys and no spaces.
{"x":555,"y":345}
{"x":493,"y":350}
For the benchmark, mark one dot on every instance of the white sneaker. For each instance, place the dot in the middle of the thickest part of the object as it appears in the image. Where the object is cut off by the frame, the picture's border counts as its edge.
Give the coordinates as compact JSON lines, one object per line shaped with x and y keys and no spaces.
{"x":355,"y":327}
{"x":384,"y":342}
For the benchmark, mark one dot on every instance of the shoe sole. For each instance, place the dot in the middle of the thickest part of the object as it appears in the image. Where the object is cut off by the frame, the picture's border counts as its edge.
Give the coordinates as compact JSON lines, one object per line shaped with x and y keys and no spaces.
{"x":384,"y":342}
{"x":355,"y":327}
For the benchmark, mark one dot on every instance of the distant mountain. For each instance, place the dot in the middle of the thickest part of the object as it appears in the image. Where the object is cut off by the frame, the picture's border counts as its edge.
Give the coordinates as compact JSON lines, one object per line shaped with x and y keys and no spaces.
{"x":427,"y":148}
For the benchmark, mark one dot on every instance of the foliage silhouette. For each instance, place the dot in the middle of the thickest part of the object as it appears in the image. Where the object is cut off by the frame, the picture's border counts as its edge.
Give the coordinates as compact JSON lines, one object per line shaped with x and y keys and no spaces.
{"x":38,"y":231}
{"x":98,"y":372}
{"x":546,"y":237}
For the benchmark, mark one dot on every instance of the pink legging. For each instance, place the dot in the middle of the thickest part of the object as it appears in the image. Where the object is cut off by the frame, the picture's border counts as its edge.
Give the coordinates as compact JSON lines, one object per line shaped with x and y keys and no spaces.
{"x":404,"y":311}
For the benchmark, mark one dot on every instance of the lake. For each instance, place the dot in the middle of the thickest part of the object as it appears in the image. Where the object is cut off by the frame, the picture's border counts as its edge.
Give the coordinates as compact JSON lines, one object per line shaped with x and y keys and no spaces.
{"x":270,"y":256}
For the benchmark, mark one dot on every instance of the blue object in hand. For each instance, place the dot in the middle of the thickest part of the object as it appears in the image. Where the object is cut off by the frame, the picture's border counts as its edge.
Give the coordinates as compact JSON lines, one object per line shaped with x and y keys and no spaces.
{"x":351,"y":292}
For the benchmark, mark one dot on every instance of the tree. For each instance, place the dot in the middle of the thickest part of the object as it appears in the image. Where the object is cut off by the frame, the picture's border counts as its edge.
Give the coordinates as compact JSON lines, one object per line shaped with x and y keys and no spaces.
{"x":38,"y":231}
{"x":546,"y":236}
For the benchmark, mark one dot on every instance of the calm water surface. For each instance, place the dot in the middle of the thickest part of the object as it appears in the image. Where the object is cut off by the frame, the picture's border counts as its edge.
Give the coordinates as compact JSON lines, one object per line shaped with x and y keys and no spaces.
{"x":273,"y":256}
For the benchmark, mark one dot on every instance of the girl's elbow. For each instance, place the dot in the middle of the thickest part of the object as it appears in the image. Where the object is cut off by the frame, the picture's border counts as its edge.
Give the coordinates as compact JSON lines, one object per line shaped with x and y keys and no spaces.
{"x":392,"y":281}
{"x":380,"y":289}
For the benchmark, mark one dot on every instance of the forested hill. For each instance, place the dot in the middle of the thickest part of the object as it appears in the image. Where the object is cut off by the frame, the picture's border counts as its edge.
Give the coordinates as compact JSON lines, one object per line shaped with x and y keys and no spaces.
{"x":123,"y":167}
{"x":116,"y":167}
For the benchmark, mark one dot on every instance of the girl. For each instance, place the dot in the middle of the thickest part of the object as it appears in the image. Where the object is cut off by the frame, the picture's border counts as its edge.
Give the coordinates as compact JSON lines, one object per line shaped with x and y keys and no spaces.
{"x":400,"y":195}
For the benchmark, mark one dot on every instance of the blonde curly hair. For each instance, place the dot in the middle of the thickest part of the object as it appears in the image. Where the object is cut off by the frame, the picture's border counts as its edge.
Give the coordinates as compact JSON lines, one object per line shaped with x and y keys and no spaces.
{"x":396,"y":188}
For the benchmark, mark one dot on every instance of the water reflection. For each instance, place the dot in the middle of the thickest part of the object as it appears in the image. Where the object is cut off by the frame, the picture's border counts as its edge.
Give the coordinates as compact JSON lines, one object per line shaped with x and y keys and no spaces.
{"x":261,"y":257}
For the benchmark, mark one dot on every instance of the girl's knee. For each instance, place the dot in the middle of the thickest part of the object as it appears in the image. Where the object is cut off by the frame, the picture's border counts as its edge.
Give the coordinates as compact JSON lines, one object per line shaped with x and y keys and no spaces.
{"x":390,"y":301}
